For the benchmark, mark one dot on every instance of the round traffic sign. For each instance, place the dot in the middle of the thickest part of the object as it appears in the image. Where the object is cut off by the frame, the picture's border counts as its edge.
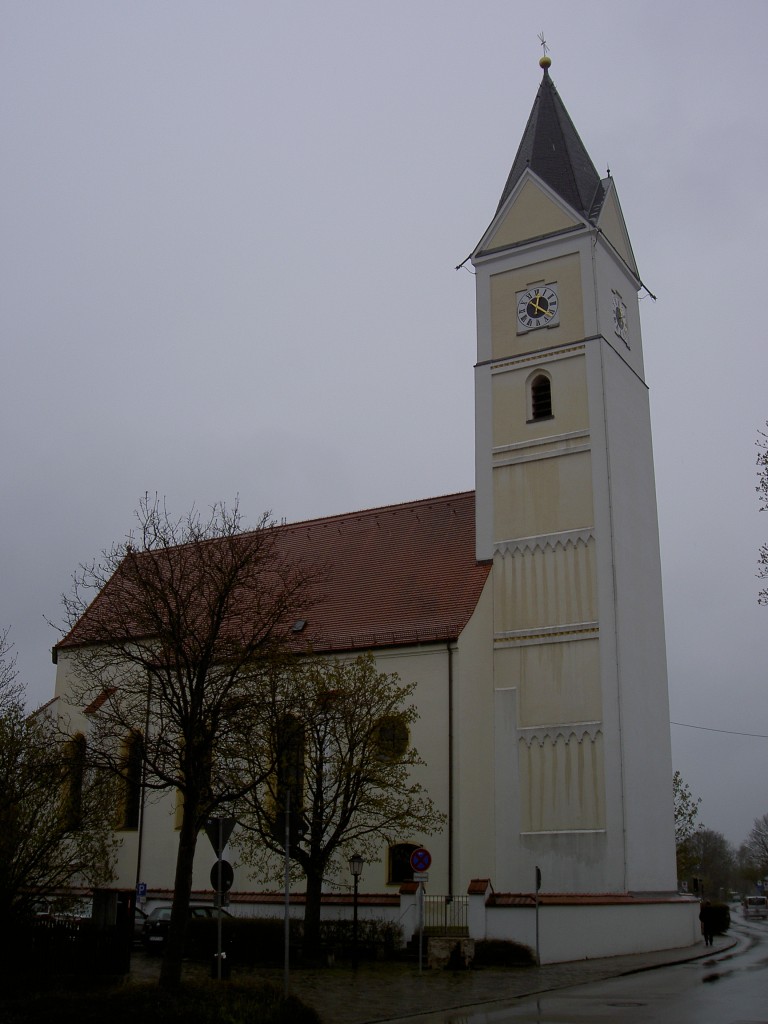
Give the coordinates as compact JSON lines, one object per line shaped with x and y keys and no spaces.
{"x":421,"y":859}
{"x":227,"y":876}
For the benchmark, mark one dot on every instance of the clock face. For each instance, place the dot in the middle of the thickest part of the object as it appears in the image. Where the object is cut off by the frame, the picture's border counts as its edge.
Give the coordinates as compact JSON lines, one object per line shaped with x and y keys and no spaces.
{"x":620,"y":317}
{"x":537,"y":307}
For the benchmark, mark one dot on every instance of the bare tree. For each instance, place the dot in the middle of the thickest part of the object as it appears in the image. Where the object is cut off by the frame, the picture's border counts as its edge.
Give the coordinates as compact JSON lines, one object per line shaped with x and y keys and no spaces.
{"x":339,"y":734}
{"x":757,"y":846}
{"x":169,"y":653}
{"x":11,"y":688}
{"x":53,"y":833}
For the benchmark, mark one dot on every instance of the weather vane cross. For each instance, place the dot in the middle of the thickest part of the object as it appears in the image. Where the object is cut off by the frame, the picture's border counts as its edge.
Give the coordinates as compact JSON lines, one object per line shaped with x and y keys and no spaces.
{"x":543,"y":42}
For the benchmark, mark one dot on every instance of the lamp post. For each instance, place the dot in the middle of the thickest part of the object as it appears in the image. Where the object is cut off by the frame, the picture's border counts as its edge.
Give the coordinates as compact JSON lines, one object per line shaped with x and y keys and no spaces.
{"x":356,"y":869}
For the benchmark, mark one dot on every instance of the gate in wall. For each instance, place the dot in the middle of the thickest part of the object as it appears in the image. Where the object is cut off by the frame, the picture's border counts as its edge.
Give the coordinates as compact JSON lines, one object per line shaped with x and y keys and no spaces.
{"x":446,"y":915}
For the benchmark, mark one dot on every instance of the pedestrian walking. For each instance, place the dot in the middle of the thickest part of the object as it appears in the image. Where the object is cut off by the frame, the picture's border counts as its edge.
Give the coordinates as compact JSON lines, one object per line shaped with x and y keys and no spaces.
{"x":706,"y":916}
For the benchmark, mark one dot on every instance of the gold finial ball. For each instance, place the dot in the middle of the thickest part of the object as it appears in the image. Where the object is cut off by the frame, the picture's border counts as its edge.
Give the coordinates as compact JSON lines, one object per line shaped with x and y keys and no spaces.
{"x":545,"y":62}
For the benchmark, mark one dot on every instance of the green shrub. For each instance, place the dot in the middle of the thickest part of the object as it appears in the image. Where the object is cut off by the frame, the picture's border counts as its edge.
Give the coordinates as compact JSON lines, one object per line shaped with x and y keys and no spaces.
{"x":500,"y":953}
{"x":376,"y":939}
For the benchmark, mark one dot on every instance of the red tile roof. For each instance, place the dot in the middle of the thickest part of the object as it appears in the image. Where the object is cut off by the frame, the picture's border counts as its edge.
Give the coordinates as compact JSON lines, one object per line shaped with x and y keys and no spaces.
{"x":99,"y":701}
{"x":397,"y":575}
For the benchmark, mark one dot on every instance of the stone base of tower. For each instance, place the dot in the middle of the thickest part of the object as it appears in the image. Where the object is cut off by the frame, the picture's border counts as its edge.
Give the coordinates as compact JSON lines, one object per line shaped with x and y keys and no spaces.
{"x":583,"y":926}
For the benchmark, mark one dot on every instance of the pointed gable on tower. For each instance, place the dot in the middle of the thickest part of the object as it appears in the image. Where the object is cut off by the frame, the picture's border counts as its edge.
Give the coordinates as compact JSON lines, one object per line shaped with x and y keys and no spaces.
{"x":553,"y":185}
{"x":552,"y":149}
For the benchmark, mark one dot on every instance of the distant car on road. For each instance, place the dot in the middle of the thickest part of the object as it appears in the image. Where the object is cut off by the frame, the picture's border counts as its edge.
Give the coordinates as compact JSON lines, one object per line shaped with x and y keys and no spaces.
{"x":755,"y":906}
{"x":155,"y":928}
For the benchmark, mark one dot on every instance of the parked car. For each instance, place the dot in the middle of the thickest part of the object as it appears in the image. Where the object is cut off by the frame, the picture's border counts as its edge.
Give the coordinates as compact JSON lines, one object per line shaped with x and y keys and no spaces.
{"x":155,"y":928}
{"x":755,"y":906}
{"x":139,"y":917}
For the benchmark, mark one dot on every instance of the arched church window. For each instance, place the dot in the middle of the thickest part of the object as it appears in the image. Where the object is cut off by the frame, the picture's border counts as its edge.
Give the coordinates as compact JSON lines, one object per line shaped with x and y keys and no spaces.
{"x":132,"y":762}
{"x":541,"y":397}
{"x":400,"y":869}
{"x":73,"y":782}
{"x":289,"y":778}
{"x":290,"y":762}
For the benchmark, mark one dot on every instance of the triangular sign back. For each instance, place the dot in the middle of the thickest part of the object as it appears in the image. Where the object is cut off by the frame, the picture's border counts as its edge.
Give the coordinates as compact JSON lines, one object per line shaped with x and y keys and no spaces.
{"x":218,"y":831}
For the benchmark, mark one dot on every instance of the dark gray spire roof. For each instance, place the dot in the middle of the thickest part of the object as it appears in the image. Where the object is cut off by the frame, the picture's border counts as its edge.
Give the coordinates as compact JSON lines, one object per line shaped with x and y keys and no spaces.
{"x":551,"y":147}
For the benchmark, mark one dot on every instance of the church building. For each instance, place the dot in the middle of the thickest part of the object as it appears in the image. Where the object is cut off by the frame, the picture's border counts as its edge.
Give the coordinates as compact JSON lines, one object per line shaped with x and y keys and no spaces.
{"x":529,"y":612}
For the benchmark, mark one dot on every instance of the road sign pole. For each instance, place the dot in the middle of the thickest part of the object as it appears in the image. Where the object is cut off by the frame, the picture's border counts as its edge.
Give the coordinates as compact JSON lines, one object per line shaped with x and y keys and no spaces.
{"x":421,"y":923}
{"x":221,"y":899}
{"x":421,"y":860}
{"x":218,"y":831}
{"x":287,"y":904}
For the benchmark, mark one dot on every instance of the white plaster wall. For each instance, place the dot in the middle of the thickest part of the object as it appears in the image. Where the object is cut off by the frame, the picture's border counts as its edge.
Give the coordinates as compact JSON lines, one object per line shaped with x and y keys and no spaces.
{"x":531,"y":211}
{"x":632,"y":641}
{"x":562,"y":267}
{"x":585,"y":932}
{"x":427,"y":665}
{"x":641,"y":644}
{"x":483,"y":463}
{"x":511,"y":414}
{"x":69,"y":713}
{"x":612,"y":276}
{"x":473,"y":771}
{"x":509,"y":873}
{"x":615,"y":867}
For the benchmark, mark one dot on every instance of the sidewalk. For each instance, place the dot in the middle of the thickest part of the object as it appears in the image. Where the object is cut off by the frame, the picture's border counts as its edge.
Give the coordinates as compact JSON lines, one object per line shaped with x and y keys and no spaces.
{"x":387,"y":992}
{"x":382,"y":992}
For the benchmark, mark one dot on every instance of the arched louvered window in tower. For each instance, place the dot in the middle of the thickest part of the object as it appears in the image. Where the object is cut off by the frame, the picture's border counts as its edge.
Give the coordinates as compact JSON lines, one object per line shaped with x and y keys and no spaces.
{"x":541,"y":397}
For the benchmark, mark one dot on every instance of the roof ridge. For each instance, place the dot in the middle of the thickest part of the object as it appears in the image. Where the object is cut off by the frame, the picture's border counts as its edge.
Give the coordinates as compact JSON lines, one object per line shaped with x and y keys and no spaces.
{"x":375,"y":510}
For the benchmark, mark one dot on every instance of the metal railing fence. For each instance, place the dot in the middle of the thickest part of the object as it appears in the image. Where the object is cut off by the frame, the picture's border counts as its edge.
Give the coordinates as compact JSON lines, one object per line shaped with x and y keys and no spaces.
{"x":446,"y":915}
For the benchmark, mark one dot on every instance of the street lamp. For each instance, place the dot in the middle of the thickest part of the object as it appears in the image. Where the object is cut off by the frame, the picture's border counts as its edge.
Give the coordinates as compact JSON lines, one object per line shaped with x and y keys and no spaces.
{"x":356,"y":869}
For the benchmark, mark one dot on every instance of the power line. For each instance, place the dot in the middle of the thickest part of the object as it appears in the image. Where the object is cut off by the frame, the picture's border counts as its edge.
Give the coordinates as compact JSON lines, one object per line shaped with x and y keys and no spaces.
{"x":729,"y":732}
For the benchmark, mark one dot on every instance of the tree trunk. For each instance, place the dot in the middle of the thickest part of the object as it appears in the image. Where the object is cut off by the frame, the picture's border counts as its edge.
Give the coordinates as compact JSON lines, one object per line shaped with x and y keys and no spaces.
{"x":314,"y":895}
{"x":170,"y":971}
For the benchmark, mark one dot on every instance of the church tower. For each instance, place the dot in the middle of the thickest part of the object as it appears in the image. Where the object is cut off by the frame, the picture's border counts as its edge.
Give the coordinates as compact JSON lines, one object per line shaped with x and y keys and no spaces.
{"x":566,"y":511}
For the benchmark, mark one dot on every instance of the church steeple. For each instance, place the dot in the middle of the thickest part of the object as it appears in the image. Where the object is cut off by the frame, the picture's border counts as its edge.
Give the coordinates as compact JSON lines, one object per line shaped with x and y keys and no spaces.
{"x":565,"y":509}
{"x":552,"y":149}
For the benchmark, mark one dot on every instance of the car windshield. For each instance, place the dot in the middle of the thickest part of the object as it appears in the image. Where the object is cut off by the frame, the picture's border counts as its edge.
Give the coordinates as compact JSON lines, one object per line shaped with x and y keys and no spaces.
{"x":164,"y":913}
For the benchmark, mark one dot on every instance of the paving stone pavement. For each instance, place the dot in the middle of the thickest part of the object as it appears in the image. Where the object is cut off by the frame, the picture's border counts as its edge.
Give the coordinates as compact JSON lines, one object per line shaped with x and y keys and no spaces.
{"x":382,"y":992}
{"x":385,"y":992}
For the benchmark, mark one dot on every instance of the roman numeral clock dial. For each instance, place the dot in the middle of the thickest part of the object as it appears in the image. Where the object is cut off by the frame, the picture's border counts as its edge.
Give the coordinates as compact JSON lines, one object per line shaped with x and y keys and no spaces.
{"x":620,"y":324}
{"x":537,"y":307}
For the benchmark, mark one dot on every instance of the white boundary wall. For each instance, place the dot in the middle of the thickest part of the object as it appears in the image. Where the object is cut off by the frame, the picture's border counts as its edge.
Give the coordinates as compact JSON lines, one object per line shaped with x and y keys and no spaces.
{"x":572,"y":929}
{"x":577,"y":929}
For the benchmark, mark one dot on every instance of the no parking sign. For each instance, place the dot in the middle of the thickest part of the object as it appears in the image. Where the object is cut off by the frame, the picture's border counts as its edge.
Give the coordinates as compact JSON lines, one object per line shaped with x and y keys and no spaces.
{"x":420,"y":860}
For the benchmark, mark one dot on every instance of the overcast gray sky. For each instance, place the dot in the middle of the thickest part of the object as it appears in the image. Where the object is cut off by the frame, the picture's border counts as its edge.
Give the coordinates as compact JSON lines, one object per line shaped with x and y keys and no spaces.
{"x":228,"y":233}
